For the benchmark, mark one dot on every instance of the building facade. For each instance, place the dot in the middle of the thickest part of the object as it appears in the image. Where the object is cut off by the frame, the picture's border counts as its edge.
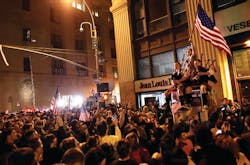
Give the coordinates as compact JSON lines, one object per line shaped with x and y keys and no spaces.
{"x":52,"y":26}
{"x":152,"y":35}
{"x":236,"y":30}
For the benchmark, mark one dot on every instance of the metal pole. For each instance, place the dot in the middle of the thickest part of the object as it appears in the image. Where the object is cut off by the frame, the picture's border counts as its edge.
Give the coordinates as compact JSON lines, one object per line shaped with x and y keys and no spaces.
{"x":92,"y":18}
{"x":94,"y":39}
{"x":32,"y":84}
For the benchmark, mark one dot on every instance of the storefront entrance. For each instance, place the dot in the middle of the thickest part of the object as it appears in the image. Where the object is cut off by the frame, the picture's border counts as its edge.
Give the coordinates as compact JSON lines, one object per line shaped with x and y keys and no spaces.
{"x":153,"y":97}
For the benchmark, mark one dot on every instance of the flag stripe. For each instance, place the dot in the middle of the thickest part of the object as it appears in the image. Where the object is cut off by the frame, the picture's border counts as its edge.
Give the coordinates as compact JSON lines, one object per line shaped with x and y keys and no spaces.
{"x":212,"y":38}
{"x":216,"y":36}
{"x":209,"y":32}
{"x":215,"y":43}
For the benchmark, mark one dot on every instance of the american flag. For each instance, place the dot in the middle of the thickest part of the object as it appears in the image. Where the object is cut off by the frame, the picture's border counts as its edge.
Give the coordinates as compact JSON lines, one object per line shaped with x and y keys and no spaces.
{"x":53,"y":101}
{"x":209,"y":32}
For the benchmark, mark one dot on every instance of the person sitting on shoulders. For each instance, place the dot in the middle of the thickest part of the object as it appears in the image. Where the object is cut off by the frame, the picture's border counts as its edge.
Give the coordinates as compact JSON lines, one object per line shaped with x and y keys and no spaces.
{"x":180,"y":80}
{"x":200,"y":76}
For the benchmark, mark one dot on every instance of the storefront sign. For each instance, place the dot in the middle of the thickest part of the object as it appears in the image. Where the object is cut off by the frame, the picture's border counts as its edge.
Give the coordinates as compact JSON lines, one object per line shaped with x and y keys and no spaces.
{"x":153,"y":84}
{"x":234,"y":19}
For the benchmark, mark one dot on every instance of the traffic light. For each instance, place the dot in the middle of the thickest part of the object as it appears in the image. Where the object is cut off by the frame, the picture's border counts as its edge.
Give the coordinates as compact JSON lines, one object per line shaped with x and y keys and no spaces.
{"x":94,"y":43}
{"x":27,"y":35}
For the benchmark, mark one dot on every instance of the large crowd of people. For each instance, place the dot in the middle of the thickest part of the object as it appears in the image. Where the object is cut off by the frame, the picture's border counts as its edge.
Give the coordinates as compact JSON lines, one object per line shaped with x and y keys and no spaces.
{"x":125,"y":136}
{"x":116,"y":135}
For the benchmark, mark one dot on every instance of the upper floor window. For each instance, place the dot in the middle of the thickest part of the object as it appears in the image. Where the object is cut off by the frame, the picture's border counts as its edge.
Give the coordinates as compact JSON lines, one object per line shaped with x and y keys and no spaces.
{"x":56,"y":41}
{"x":139,"y":17}
{"x":158,"y":16}
{"x":102,"y":71}
{"x":58,"y":67}
{"x":222,"y":4}
{"x":78,"y":4}
{"x":79,"y":45}
{"x":26,"y":5}
{"x":179,"y":15}
{"x":26,"y":64}
{"x":82,"y":71}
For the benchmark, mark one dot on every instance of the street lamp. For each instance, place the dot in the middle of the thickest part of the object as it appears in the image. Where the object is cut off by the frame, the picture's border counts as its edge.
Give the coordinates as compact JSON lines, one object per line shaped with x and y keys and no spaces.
{"x":93,"y":35}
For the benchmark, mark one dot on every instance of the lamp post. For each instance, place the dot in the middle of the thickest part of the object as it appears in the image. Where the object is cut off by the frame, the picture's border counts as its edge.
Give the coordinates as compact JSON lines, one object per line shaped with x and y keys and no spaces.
{"x":93,"y":35}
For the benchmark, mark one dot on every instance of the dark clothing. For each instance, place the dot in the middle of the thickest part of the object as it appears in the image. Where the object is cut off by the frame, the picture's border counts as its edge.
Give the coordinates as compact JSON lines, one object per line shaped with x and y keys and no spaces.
{"x":200,"y":79}
{"x":176,"y":76}
{"x":124,"y":162}
{"x":51,"y":156}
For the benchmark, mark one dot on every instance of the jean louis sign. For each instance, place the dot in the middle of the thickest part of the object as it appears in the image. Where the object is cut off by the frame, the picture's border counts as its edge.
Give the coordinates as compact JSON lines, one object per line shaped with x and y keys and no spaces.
{"x":153,"y":84}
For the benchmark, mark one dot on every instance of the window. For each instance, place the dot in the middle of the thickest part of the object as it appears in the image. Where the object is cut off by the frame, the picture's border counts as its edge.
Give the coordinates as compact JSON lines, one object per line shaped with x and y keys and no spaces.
{"x":139,"y":16}
{"x":140,"y":27}
{"x":82,"y":71}
{"x":144,"y":68}
{"x":157,"y":15}
{"x":181,"y":54}
{"x":102,"y":72}
{"x":26,"y":5}
{"x":56,"y":41}
{"x":79,"y":45}
{"x":242,"y":62}
{"x":78,"y":4}
{"x":27,"y":34}
{"x":58,"y":67}
{"x":222,"y":4}
{"x":26,"y":64}
{"x":113,"y":53}
{"x":54,"y":15}
{"x":178,"y":12}
{"x":163,"y":64}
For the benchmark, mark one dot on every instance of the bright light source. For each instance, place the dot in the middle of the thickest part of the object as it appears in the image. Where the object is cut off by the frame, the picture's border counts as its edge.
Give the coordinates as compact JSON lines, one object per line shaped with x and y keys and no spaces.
{"x":77,"y":4}
{"x":68,"y":1}
{"x":60,"y":103}
{"x":77,"y":101}
{"x":105,"y":97}
{"x":96,"y":14}
{"x":247,"y":43}
{"x":74,"y":4}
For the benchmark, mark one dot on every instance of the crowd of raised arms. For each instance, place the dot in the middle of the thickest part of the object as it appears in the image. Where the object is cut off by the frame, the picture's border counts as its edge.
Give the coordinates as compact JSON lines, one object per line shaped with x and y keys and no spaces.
{"x":125,"y":136}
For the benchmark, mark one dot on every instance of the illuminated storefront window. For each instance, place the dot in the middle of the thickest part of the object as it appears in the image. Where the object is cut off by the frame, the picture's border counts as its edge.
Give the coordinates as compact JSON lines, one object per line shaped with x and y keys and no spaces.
{"x":242,"y":62}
